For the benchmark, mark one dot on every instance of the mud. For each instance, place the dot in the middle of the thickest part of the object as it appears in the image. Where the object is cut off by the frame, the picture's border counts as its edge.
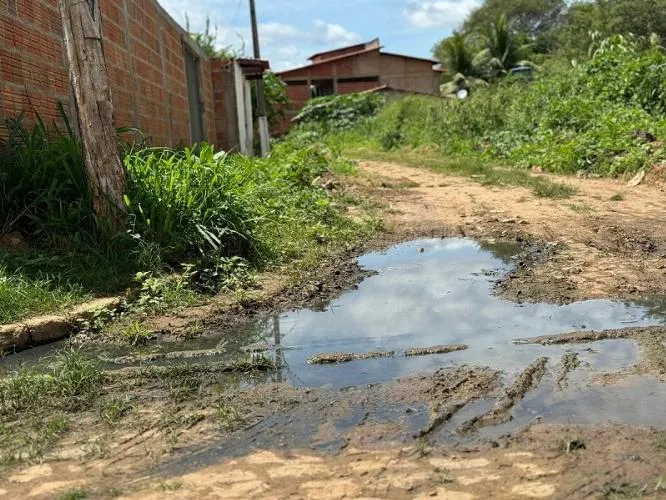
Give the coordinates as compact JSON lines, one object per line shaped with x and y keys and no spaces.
{"x":498,"y":421}
{"x":614,"y":249}
{"x":592,"y":336}
{"x":452,"y":389}
{"x":528,"y":379}
{"x":344,"y":357}
{"x":436,"y":349}
{"x":569,"y":363}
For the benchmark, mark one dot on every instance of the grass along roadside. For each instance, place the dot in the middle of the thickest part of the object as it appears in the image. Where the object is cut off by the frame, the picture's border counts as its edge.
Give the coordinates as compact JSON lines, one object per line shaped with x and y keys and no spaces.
{"x":474,"y":168}
{"x":70,"y":397}
{"x":201,"y":219}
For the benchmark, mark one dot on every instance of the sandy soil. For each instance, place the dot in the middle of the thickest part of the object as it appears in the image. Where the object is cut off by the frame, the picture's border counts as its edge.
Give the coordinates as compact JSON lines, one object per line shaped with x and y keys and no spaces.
{"x":601,"y":248}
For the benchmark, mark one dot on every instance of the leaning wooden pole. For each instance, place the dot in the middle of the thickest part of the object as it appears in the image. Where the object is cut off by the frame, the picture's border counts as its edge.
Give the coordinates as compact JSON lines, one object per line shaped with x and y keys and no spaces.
{"x":82,"y":30}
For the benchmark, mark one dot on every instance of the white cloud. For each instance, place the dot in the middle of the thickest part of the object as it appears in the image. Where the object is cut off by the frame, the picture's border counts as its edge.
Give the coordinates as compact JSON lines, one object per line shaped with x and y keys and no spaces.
{"x":439,"y":13}
{"x":333,"y":33}
{"x":321,"y":33}
{"x":285,"y":45}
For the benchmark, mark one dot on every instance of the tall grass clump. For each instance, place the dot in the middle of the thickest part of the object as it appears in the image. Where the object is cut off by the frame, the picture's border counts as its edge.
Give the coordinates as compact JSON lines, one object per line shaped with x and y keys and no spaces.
{"x":43,"y":184}
{"x":208,"y":214}
{"x":605,"y":116}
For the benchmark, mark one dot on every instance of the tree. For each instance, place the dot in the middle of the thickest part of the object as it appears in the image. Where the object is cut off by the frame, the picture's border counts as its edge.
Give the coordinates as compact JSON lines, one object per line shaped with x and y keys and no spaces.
{"x":503,"y":49}
{"x":531,"y":17}
{"x":609,"y":17}
{"x":457,"y":54}
{"x":82,"y":32}
{"x":207,"y":41}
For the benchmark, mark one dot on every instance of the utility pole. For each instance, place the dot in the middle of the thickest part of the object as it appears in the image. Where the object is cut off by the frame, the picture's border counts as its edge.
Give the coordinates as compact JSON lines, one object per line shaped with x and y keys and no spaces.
{"x":261,"y":95}
{"x":82,"y":33}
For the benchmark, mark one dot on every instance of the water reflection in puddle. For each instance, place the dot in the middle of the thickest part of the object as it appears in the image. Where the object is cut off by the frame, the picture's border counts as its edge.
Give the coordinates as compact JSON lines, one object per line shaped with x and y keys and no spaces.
{"x":432,"y":292}
{"x":440,"y":291}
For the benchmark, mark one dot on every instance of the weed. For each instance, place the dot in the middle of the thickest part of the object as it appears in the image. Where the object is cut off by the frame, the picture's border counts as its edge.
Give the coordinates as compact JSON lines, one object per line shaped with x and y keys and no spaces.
{"x":617,"y":197}
{"x":257,"y":362}
{"x":624,"y":490}
{"x":170,"y":485}
{"x":115,"y":409}
{"x":571,"y":445}
{"x":136,"y":334}
{"x":423,"y":446}
{"x":227,"y":417}
{"x":75,"y":494}
{"x":579,"y":207}
{"x":34,"y":403}
{"x":340,"y":111}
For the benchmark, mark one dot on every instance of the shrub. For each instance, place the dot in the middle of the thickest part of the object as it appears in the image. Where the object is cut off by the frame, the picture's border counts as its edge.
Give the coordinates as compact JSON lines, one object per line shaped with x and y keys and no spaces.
{"x":604,"y":116}
{"x":340,"y":111}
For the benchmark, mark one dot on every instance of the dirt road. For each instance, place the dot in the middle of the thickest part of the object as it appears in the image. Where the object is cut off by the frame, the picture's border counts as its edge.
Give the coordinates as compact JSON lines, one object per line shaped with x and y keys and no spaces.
{"x":601,"y":247}
{"x":372,"y":441}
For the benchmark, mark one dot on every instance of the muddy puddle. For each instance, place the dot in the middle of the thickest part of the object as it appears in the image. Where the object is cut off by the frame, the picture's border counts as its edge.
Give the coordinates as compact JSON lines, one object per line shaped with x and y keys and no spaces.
{"x":437,"y":292}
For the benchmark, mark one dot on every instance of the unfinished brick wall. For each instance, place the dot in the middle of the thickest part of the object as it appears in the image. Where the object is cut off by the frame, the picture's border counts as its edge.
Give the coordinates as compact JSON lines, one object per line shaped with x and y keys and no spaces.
{"x":144,"y":52}
{"x":32,"y":72}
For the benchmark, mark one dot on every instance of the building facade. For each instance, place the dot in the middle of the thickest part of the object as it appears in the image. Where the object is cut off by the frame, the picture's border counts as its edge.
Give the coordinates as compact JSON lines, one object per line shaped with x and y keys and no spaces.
{"x":360,"y":68}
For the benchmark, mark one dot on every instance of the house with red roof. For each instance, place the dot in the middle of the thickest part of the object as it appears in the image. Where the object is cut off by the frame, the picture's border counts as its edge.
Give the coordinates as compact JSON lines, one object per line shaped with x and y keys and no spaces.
{"x":358,"y":68}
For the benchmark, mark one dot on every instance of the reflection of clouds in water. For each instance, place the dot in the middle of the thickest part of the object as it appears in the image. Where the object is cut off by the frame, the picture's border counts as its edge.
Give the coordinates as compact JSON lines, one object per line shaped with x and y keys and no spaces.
{"x":438,"y":296}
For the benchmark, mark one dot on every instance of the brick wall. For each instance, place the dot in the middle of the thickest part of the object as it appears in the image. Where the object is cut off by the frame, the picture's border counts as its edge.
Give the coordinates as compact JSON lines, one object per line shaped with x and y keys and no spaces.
{"x":351,"y":87}
{"x":144,"y":52}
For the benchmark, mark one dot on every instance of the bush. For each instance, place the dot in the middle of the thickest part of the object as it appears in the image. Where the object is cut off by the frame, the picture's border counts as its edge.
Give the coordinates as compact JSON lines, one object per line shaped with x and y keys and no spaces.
{"x":340,"y":112}
{"x":208,"y":214}
{"x":606,"y":116}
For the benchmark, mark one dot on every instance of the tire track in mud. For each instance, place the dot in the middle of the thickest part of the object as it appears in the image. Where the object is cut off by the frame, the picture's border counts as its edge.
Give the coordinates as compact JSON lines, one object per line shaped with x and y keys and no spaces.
{"x":453,"y":389}
{"x":569,"y":363}
{"x":528,"y":379}
{"x":581,"y":337}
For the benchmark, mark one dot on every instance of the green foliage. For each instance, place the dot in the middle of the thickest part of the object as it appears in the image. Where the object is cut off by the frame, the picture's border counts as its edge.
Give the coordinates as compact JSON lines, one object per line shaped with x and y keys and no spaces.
{"x":208,"y":216}
{"x":457,"y":53}
{"x":604,"y":116}
{"x":275,"y":93}
{"x":607,"y":18}
{"x":340,"y":112}
{"x":207,"y":41}
{"x":189,"y":202}
{"x":43,"y":185}
{"x":532,"y":17}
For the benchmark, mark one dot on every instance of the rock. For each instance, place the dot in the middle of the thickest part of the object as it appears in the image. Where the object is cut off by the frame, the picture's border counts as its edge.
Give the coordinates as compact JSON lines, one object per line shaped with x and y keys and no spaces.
{"x":636,"y":179}
{"x":13,"y":242}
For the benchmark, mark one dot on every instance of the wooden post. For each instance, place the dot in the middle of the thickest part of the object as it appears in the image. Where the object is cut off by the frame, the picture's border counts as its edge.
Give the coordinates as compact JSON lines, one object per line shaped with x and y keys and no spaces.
{"x":82,"y":29}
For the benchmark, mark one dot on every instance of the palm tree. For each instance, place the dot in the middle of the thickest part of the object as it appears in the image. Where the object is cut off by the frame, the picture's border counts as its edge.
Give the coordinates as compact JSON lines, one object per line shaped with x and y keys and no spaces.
{"x":503,"y":49}
{"x":458,"y":55}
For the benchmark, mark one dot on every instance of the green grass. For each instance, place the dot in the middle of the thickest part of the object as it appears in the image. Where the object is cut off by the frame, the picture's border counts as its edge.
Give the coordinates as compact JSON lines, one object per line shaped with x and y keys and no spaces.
{"x":21,"y":296}
{"x":35,"y":403}
{"x":617,"y":197}
{"x":481,"y":171}
{"x":199,"y":221}
{"x":75,"y":494}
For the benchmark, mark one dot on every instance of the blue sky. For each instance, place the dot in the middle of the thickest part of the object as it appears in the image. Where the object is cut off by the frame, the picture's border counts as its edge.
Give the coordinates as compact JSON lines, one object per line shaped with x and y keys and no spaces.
{"x":292,"y":30}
